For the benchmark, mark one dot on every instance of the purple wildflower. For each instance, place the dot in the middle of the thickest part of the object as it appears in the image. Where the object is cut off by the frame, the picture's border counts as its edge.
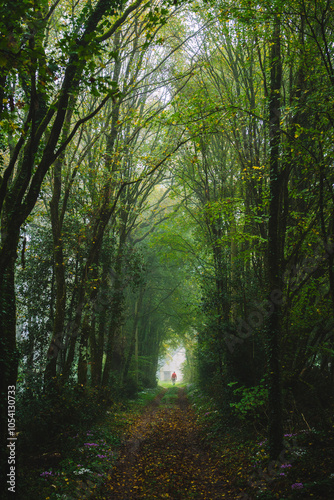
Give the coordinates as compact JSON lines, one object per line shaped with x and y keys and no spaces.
{"x":102,"y":456}
{"x":91,"y":444}
{"x":297,"y":486}
{"x":283,"y":466}
{"x":46,"y":474}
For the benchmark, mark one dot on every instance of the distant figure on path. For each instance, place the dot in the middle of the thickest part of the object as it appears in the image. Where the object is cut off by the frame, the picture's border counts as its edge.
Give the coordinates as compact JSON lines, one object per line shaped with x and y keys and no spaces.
{"x":174,"y":377}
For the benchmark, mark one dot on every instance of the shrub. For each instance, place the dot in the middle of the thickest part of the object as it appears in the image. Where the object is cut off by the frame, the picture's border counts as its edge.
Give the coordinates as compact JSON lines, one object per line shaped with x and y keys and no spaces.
{"x":45,"y":420}
{"x":252,"y":402}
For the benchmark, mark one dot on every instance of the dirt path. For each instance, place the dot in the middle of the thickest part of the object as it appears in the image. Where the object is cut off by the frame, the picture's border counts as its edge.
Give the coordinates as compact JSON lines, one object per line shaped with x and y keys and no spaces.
{"x":163,"y":458}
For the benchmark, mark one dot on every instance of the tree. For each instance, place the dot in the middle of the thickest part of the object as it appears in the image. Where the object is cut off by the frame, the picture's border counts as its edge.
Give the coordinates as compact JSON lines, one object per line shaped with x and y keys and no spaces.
{"x":34,"y":116}
{"x":275,"y":238}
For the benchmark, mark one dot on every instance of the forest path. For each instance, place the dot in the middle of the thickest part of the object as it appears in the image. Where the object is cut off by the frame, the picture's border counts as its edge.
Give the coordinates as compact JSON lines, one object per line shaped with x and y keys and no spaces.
{"x":163,"y":457}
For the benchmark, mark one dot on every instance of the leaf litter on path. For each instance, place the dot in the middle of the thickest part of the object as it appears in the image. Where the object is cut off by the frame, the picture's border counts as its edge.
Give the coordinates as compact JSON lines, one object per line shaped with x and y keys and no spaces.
{"x":163,"y":457}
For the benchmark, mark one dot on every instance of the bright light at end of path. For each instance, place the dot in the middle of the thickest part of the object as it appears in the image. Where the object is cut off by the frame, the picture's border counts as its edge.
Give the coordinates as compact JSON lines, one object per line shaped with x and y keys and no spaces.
{"x":172,"y":362}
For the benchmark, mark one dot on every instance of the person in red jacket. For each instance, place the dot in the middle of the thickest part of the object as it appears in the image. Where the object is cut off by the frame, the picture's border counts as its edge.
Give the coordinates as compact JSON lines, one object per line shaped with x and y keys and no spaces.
{"x":174,"y":377}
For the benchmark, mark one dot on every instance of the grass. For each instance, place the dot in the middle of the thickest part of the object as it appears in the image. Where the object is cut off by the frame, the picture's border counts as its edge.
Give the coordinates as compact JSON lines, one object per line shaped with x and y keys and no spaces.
{"x":170,"y":396}
{"x":168,"y":384}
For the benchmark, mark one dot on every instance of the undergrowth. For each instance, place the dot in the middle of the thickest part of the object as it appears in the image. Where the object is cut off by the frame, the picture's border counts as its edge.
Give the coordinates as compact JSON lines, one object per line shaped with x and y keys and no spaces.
{"x":76,"y":464}
{"x":304,"y":469}
{"x":73,"y":466}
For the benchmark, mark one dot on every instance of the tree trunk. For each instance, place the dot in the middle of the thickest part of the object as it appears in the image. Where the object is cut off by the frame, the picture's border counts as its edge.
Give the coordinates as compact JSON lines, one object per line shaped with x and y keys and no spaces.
{"x":275,"y":429}
{"x":83,"y":354}
{"x":96,"y":348}
{"x":133,"y":348}
{"x":100,"y":317}
{"x":114,"y":329}
{"x":8,"y":366}
{"x":117,"y":302}
{"x":59,"y":319}
{"x":57,"y":219}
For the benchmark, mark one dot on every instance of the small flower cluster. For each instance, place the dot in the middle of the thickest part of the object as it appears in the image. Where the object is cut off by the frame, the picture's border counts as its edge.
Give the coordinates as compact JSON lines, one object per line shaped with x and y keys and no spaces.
{"x":81,"y":471}
{"x":297,"y":486}
{"x":46,"y":474}
{"x":298,"y":453}
{"x":276,"y":469}
{"x":92,"y":460}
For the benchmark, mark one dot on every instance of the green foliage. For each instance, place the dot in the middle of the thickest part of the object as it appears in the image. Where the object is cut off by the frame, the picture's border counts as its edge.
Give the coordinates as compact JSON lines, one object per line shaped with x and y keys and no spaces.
{"x":163,"y":199}
{"x":252,"y":402}
{"x":131,"y":387}
{"x":170,"y":397}
{"x":85,"y":457}
{"x":211,"y":416}
{"x":48,"y":420}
